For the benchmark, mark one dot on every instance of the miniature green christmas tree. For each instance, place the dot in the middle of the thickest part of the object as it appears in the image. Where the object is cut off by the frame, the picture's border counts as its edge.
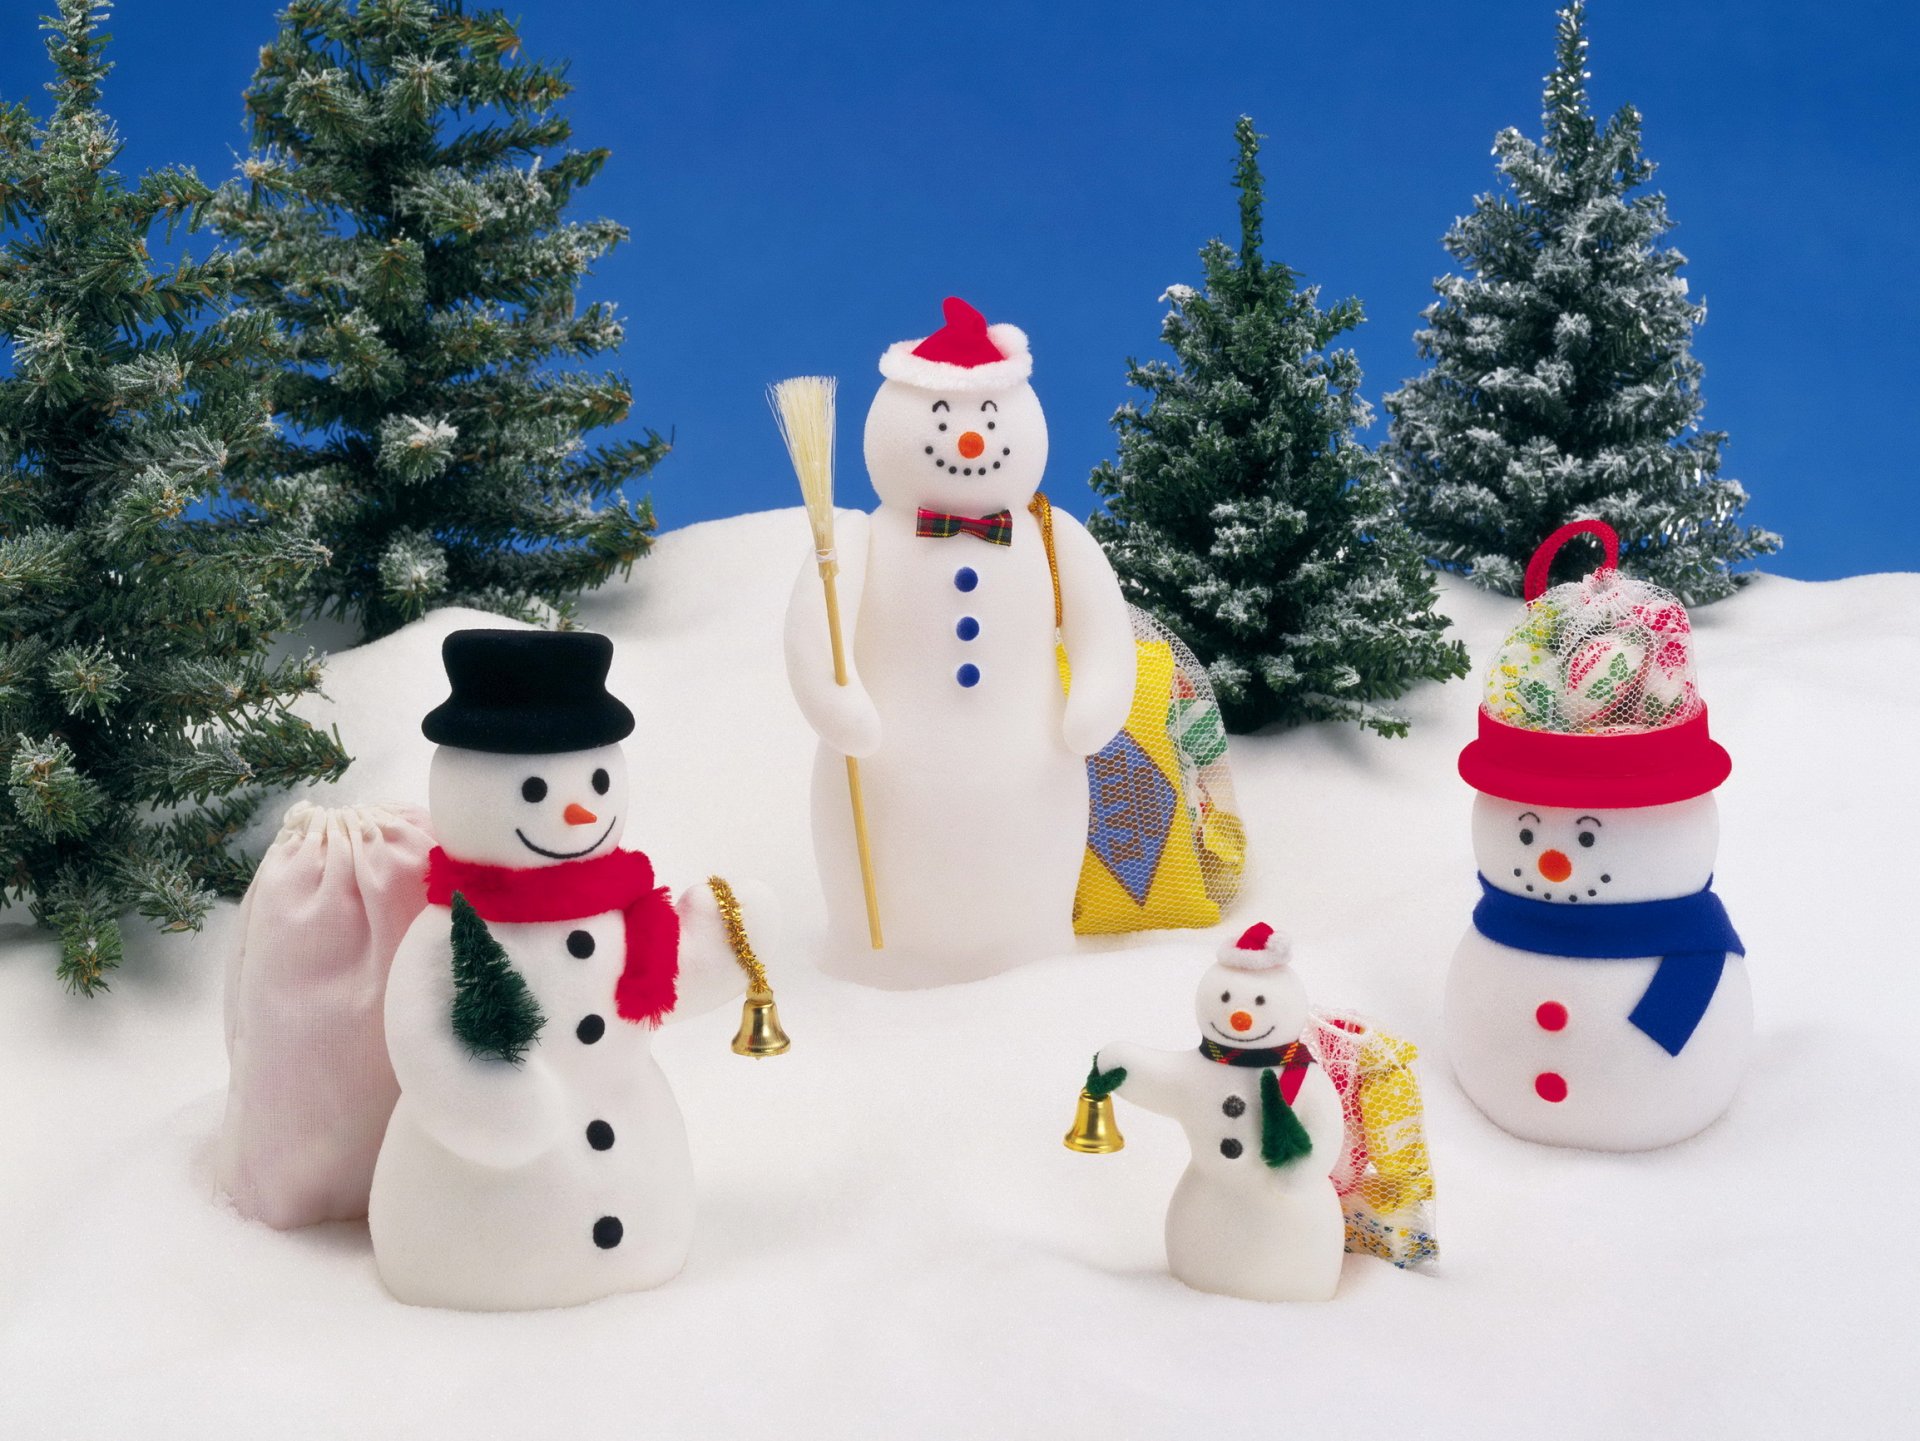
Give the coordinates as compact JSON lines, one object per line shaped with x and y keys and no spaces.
{"x":1563,"y":383}
{"x":1246,"y":516}
{"x":140,"y":711}
{"x":402,"y":217}
{"x":494,"y":1012}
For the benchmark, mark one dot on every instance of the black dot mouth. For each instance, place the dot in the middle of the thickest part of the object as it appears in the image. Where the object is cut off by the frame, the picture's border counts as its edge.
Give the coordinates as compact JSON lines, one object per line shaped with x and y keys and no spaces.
{"x":1242,"y":1040}
{"x":565,"y":855}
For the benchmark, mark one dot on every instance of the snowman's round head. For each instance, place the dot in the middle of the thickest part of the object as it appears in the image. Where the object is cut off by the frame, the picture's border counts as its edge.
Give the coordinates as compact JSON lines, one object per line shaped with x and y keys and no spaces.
{"x":528,"y":810}
{"x":967,"y":452}
{"x":1252,"y":997}
{"x":1571,"y":855}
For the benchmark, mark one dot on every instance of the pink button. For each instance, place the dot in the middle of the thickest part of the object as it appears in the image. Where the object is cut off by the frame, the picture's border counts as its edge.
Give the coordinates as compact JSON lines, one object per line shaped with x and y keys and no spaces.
{"x":1550,"y":1086}
{"x":1552,"y":1016}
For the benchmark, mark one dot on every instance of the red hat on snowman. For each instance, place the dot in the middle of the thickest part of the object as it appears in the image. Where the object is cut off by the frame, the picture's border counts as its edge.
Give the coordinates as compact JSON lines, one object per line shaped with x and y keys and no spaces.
{"x":1592,"y":701}
{"x":1259,"y":948}
{"x":963,"y":354}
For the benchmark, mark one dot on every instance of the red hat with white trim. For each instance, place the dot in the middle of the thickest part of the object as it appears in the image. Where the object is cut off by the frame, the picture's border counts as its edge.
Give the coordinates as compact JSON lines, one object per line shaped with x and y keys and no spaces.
{"x":963,"y":354}
{"x":1592,"y":701}
{"x":1259,"y":948}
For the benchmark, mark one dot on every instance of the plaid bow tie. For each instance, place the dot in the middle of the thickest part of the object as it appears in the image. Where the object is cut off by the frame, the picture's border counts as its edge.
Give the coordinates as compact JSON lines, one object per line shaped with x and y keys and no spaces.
{"x":995,"y":529}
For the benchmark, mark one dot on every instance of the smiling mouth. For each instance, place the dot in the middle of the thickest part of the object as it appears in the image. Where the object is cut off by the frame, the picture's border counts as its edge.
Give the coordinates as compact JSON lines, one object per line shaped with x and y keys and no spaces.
{"x":1243,"y":1040}
{"x":565,"y":855}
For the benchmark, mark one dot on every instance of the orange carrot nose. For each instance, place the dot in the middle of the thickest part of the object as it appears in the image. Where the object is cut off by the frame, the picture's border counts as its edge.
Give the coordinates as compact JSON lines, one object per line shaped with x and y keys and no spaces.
{"x":1555,"y":866}
{"x":972,"y":443}
{"x":1240,"y":1021}
{"x":578,"y":815}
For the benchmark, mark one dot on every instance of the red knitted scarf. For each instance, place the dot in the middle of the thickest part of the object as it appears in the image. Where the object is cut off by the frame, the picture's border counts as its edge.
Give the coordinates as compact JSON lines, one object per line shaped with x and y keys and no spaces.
{"x":618,"y":881}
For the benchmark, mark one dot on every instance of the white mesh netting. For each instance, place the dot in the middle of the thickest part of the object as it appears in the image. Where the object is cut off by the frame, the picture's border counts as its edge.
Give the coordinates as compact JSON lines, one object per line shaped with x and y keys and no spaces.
{"x":1607,"y":655}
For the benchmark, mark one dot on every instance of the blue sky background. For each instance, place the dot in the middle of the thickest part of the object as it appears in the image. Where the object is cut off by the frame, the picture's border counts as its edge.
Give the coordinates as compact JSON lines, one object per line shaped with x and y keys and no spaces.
{"x":804,"y":183}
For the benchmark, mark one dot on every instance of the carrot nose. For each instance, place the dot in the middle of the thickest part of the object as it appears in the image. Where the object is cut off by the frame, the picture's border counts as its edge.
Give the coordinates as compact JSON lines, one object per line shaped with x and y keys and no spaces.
{"x":1555,"y":866}
{"x":1240,"y":1021}
{"x":972,"y":443}
{"x":578,"y":815}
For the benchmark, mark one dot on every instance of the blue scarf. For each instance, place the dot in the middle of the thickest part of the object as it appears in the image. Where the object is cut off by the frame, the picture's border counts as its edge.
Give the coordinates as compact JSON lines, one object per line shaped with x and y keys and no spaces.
{"x":1690,"y":934}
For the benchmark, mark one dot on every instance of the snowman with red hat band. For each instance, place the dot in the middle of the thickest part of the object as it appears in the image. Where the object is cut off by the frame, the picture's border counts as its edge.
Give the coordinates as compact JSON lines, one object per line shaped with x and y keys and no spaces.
{"x":972,"y":759}
{"x":1600,"y":998}
{"x":1255,"y":1214}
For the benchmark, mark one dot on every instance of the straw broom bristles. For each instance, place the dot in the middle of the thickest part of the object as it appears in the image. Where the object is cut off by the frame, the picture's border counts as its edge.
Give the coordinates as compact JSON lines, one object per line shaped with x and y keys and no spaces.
{"x":803,"y":409}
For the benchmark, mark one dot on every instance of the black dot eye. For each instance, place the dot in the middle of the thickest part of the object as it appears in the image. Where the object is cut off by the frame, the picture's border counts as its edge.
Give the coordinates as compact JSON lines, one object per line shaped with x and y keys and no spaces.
{"x":989,"y":425}
{"x":1526,"y":836}
{"x":1586,"y":838}
{"x":1259,"y":1000}
{"x":533,"y":789}
{"x":1225,"y":996}
{"x":943,"y":425}
{"x":601,"y":780}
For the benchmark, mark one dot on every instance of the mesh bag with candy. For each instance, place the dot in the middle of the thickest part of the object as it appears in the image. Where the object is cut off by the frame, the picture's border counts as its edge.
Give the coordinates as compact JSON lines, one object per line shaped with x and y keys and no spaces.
{"x":1607,"y":655}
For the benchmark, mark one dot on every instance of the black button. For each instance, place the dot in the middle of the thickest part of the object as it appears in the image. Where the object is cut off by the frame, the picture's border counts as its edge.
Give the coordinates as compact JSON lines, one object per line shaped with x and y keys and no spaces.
{"x":1231,"y":1149}
{"x":599,"y":1135}
{"x":590,"y":1029}
{"x":1234,"y":1106}
{"x":607,"y":1232}
{"x":580,"y":943}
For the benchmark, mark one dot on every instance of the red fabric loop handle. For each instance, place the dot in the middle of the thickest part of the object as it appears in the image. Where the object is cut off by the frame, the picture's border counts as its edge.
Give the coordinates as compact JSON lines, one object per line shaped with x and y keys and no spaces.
{"x":1542,"y":562}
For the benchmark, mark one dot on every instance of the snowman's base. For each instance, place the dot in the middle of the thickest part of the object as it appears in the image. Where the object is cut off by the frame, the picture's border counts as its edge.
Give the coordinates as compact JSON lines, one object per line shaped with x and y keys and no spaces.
{"x":1259,"y":1241}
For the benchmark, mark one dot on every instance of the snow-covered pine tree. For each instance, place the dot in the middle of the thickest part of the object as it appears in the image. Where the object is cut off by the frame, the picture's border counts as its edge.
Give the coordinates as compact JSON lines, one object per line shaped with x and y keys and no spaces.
{"x":1245,"y":515}
{"x":1563,"y":383}
{"x":140,"y":715}
{"x":402,"y":216}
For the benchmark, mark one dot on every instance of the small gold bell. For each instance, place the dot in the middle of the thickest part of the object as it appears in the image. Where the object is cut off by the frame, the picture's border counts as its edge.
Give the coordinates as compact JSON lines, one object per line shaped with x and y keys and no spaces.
{"x":760,"y":1033}
{"x":1094,"y":1132}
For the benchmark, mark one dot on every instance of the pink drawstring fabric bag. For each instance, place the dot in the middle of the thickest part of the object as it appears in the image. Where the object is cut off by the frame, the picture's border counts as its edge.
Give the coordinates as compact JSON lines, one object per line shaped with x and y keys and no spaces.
{"x":310,"y":1087}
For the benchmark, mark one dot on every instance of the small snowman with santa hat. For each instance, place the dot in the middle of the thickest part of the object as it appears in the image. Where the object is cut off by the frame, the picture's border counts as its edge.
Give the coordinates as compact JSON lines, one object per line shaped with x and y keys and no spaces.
{"x":536,"y":1156}
{"x":1256,"y":1213}
{"x":963,"y":586}
{"x":1600,"y":998}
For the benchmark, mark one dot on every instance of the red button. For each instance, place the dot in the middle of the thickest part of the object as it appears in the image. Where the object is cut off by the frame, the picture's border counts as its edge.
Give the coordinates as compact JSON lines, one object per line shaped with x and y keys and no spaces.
{"x":1551,"y":1086}
{"x":1552,"y":1016}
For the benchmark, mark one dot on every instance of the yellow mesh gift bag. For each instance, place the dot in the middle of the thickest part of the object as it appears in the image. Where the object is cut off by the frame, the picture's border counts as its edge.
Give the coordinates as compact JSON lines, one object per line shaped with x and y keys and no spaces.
{"x":1166,"y":847}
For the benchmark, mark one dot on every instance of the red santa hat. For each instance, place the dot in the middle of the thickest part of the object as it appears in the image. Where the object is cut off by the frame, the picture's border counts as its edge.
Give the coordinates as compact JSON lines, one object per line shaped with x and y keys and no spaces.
{"x":963,"y":354}
{"x":1259,"y":948}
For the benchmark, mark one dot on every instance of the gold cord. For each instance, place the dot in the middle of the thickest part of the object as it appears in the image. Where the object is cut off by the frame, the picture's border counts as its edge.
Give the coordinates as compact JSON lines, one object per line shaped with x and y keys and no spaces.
{"x":737,"y":936}
{"x":1042,"y":510}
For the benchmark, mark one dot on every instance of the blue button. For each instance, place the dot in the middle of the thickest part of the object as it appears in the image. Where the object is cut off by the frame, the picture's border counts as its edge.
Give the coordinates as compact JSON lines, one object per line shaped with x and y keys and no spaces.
{"x":968,"y":675}
{"x":965,"y":579}
{"x":967,"y":628}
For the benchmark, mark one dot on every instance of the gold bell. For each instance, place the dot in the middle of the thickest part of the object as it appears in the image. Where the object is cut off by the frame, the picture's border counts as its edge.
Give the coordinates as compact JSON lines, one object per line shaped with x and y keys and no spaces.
{"x":1094,"y":1132}
{"x":760,"y":1033}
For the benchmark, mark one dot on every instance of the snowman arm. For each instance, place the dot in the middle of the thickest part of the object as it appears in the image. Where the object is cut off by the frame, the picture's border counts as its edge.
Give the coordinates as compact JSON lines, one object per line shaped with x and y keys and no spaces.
{"x":486,"y":1111}
{"x":843,"y":716}
{"x":710,"y":973}
{"x":1318,"y":1110}
{"x":1152,"y":1076}
{"x":1098,"y":631}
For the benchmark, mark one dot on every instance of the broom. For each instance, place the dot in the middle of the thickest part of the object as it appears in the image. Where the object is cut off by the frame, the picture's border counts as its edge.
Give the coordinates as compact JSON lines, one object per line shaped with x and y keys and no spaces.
{"x":803,"y":409}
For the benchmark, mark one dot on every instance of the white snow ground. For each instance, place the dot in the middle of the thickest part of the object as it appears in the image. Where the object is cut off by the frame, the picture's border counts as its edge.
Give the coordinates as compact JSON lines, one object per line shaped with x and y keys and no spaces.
{"x":892,"y":1241}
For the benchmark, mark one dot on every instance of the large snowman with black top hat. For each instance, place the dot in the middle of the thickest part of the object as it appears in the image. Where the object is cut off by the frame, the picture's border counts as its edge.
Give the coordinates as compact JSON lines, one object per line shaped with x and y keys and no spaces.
{"x":536,"y":1156}
{"x":972,"y":759}
{"x":1600,"y":998}
{"x":1255,"y":1214}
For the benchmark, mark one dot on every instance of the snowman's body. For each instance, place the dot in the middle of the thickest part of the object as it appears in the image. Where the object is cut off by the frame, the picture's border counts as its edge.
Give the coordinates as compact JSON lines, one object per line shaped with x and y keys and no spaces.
{"x":1542,"y":1043}
{"x":563,"y":1176}
{"x":1237,"y":1226}
{"x":972,"y":760}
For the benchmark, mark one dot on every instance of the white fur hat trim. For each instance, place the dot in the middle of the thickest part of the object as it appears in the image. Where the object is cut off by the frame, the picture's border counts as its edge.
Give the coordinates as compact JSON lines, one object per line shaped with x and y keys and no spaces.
{"x":1259,"y":948}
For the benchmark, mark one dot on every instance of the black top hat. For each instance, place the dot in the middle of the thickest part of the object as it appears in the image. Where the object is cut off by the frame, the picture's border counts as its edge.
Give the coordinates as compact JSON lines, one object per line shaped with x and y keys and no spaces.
{"x":527,"y":692}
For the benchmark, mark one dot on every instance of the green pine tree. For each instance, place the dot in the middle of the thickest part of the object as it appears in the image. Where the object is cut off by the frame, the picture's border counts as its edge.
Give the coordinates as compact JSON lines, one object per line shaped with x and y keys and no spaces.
{"x":140,"y":712}
{"x":1282,"y":1137}
{"x":494,"y":1012}
{"x":1563,"y":383}
{"x":402,"y":216}
{"x":1246,"y":516}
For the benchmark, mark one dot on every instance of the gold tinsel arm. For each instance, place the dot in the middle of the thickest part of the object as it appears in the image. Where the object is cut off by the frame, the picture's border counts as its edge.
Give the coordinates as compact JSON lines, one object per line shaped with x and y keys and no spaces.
{"x":736,"y":926}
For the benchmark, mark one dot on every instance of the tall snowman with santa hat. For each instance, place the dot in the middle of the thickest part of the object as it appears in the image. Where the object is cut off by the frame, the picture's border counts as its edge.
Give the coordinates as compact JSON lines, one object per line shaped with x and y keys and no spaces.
{"x":1600,"y":998}
{"x":1256,"y":1213}
{"x":971,"y":757}
{"x":536,"y":1156}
